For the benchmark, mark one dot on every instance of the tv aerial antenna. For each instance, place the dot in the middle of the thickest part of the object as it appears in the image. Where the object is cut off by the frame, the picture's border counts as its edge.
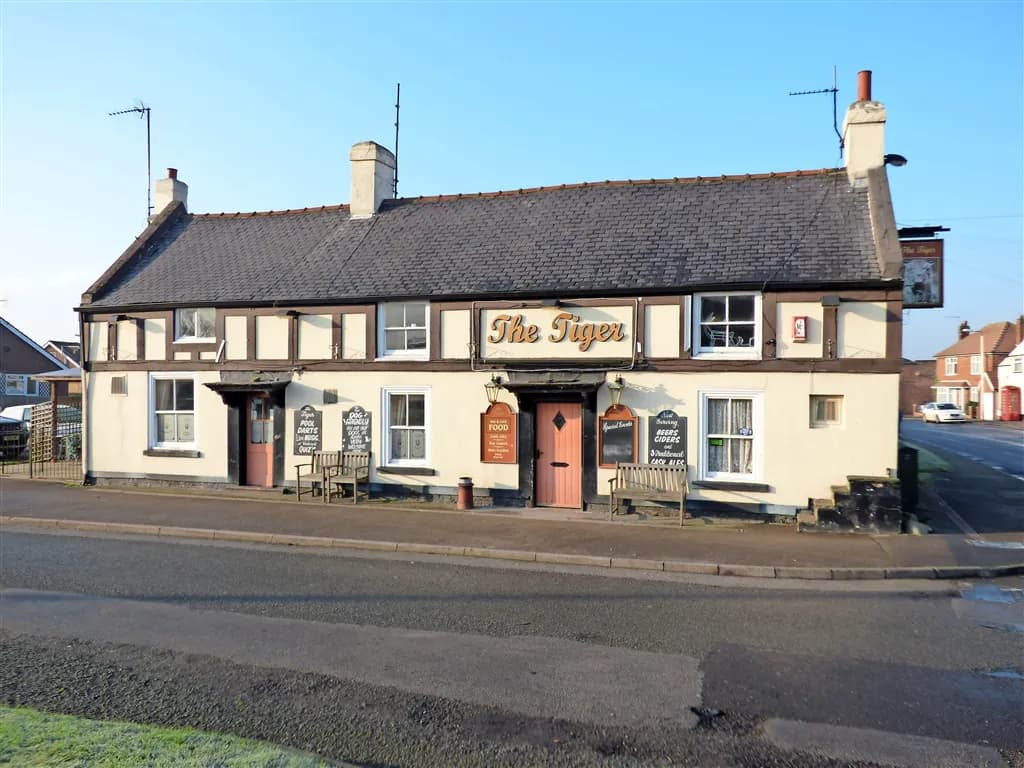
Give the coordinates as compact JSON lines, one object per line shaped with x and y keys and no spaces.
{"x":835,"y":119}
{"x":143,"y":112}
{"x":398,"y":102}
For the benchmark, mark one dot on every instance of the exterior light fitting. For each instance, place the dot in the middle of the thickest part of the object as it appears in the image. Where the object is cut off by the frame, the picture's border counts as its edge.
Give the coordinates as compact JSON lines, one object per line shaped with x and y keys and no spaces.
{"x":896,"y":160}
{"x":492,"y":387}
{"x":615,"y":387}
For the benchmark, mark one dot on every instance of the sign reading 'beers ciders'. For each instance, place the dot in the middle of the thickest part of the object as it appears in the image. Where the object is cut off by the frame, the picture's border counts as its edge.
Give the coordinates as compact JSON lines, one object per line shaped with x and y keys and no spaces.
{"x":666,"y":439}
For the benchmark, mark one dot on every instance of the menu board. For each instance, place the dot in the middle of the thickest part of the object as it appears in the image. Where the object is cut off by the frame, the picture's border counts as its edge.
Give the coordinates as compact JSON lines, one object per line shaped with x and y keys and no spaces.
{"x":356,"y":430}
{"x":308,"y":436}
{"x":666,"y":439}
{"x":498,"y":435}
{"x":617,"y":439}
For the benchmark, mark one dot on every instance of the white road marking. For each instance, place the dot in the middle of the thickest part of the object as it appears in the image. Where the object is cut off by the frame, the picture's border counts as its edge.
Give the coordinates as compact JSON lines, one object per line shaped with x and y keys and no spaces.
{"x":883,"y":747}
{"x":958,"y":521}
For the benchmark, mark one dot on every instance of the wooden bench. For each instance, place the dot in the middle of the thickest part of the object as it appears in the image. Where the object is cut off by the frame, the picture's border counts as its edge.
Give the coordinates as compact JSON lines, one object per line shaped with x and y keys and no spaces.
{"x":350,"y":470}
{"x":648,"y":481}
{"x":320,"y":465}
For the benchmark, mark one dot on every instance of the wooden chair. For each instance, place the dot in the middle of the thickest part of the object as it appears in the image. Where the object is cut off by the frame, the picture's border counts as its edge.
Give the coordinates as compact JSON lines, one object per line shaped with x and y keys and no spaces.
{"x":320,"y":466}
{"x":350,"y":470}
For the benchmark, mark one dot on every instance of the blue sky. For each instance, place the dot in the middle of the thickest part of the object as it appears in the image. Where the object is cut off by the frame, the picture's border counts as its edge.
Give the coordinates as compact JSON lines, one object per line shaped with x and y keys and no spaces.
{"x":257,"y":105}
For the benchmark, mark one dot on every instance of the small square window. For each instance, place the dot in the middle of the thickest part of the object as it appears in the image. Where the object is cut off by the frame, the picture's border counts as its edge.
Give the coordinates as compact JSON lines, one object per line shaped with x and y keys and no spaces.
{"x":950,"y":366}
{"x":195,"y":324}
{"x":404,"y":329}
{"x":826,"y":410}
{"x":727,"y":324}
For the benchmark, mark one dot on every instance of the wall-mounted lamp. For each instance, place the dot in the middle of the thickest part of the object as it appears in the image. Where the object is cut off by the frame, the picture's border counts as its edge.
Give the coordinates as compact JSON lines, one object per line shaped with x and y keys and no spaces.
{"x":615,"y":387}
{"x":119,"y":318}
{"x":897,"y":160}
{"x":831,"y":300}
{"x":492,"y":387}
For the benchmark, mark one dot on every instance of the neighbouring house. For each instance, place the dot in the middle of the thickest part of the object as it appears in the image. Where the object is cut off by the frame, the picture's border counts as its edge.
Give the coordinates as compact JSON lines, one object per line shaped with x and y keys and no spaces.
{"x":757,"y":317}
{"x":967,"y":372}
{"x":68,"y":352}
{"x":916,"y":379}
{"x":1011,"y":382}
{"x":20,"y":357}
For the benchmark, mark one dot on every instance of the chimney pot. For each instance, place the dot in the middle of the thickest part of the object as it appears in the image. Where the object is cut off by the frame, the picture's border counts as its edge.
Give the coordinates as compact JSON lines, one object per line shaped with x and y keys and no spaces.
{"x":964,"y":329}
{"x":172,"y":173}
{"x":864,"y":85}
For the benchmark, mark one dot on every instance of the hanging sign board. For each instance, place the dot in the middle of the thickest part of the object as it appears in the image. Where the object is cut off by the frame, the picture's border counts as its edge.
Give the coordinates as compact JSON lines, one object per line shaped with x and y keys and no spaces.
{"x":922,"y":273}
{"x":308,"y":436}
{"x":498,"y":435}
{"x":356,"y":430}
{"x":666,"y":439}
{"x":617,"y":437}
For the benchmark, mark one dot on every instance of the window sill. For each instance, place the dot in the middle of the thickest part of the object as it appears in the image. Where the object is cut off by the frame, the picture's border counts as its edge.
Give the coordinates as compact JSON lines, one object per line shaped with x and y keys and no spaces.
{"x":172,"y":453}
{"x":732,"y":485}
{"x":708,"y":354}
{"x":397,"y":470}
{"x":195,"y":340}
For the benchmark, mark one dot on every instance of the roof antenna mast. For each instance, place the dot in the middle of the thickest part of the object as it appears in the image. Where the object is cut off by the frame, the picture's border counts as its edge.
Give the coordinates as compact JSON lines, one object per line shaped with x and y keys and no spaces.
{"x":143,"y":112}
{"x":398,"y":101}
{"x":835,"y":117}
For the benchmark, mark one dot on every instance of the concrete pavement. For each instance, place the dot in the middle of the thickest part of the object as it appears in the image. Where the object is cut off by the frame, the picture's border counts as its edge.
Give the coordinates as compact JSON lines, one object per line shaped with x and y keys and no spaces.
{"x":755,"y":550}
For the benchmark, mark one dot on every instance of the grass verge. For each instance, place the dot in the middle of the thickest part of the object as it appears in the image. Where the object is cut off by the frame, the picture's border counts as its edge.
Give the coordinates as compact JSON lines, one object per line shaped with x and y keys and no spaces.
{"x":928,"y":462}
{"x":32,"y":738}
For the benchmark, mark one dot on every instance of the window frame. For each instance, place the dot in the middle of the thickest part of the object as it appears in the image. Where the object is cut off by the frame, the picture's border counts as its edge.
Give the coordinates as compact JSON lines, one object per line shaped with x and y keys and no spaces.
{"x":758,"y":437}
{"x":151,"y":408}
{"x":975,"y":365}
{"x":25,"y":381}
{"x":827,"y":423}
{"x":194,"y":339}
{"x":699,"y":351}
{"x":951,"y":366}
{"x":382,"y":328}
{"x":385,"y":408}
{"x":1018,"y":365}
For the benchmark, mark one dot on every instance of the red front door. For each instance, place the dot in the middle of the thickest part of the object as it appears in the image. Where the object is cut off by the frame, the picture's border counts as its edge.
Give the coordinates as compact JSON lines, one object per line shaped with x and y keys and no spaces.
{"x":259,"y":442}
{"x":559,"y":455}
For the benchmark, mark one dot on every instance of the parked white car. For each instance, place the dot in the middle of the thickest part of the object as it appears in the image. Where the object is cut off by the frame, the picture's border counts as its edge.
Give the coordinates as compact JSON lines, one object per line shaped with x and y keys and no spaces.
{"x":941,"y":413}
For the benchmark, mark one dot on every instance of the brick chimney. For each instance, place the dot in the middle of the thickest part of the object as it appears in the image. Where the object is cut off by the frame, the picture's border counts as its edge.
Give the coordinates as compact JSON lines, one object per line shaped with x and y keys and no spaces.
{"x":964,"y":330}
{"x":864,"y":131}
{"x":1019,"y":328}
{"x":372,"y":177}
{"x":168,"y":191}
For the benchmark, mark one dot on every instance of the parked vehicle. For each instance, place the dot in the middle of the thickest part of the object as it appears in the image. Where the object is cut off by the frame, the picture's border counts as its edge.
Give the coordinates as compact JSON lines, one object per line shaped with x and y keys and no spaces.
{"x":941,"y":413}
{"x":69,"y":418}
{"x":13,"y":438}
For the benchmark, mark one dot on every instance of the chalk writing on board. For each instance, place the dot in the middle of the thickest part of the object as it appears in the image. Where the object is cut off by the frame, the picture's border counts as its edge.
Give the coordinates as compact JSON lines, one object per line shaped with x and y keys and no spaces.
{"x":357,"y":430}
{"x":308,"y":436}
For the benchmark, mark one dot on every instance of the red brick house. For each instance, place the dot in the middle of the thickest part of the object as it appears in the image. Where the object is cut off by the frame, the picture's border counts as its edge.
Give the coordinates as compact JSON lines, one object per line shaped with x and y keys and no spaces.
{"x":967,"y":371}
{"x":916,"y":380}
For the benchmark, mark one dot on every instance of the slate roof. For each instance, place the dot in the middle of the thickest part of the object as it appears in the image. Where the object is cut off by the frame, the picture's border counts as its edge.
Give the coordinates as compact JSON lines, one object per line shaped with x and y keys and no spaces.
{"x":800,"y":228}
{"x":998,"y":338}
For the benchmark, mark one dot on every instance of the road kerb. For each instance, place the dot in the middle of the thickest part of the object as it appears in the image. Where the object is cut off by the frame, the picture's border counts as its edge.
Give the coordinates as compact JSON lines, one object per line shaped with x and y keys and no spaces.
{"x":431,"y":549}
{"x":560,"y":559}
{"x":802,"y":572}
{"x":502,"y":554}
{"x":679,"y":566}
{"x":367,"y":544}
{"x":910,"y":573}
{"x":637,"y":564}
{"x":750,"y":571}
{"x":849,"y":574}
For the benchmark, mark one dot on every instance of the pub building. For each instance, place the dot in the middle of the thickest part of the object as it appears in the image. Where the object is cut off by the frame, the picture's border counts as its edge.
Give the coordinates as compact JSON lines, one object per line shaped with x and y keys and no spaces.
{"x":747,"y":327}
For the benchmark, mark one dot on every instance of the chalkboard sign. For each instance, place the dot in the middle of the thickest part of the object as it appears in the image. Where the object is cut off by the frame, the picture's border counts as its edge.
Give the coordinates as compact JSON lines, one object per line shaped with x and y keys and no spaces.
{"x":308,"y":431}
{"x":666,"y":439}
{"x":356,"y":430}
{"x":617,"y":437}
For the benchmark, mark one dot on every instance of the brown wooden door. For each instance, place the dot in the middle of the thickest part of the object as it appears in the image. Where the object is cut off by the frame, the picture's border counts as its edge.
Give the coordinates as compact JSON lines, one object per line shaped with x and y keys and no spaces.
{"x":560,"y":455}
{"x":259,"y":442}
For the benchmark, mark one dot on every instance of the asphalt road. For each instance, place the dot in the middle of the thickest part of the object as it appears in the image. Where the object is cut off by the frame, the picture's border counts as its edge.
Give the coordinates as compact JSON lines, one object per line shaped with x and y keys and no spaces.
{"x":391,"y":661}
{"x":985,"y":483}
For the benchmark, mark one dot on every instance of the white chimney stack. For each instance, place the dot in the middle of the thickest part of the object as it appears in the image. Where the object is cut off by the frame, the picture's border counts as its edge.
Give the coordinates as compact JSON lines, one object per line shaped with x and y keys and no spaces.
{"x":373,"y":178}
{"x":864,"y":131}
{"x":168,"y":191}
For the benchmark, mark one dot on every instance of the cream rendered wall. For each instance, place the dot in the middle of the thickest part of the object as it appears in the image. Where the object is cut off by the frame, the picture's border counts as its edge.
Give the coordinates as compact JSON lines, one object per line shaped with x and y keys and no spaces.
{"x":661,"y":330}
{"x":455,"y":334}
{"x":271,"y":337}
{"x":155,"y":333}
{"x":97,"y":333}
{"x":861,"y":329}
{"x":456,"y":402}
{"x":315,"y":337}
{"x":236,"y":336}
{"x":784,"y":314}
{"x":353,"y":337}
{"x":118,"y":429}
{"x":182,"y":355}
{"x":799,"y":462}
{"x":127,"y":340}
